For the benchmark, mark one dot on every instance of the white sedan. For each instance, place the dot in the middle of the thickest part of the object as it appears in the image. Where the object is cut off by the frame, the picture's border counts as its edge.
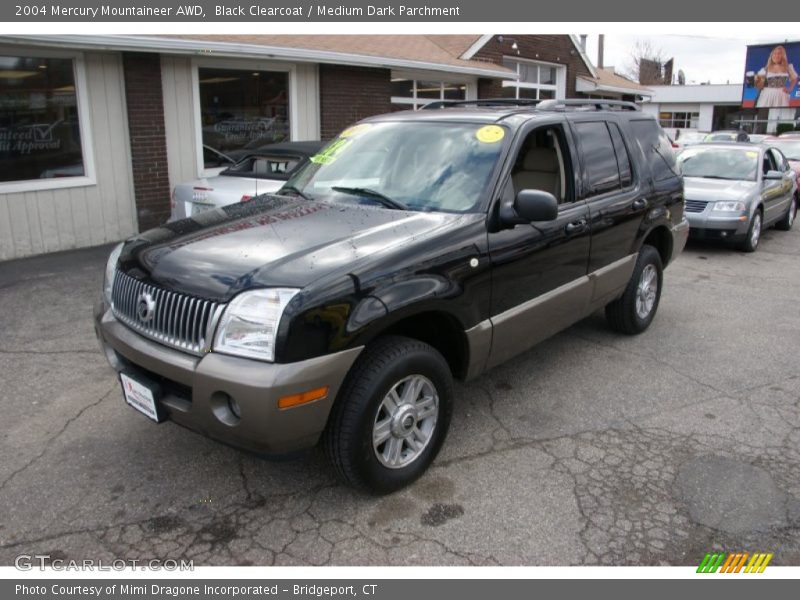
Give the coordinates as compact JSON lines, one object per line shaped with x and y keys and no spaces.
{"x":261,"y":171}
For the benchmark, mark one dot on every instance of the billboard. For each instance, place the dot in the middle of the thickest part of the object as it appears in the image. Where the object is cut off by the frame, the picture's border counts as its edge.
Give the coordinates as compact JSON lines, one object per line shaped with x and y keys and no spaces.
{"x":770,"y":76}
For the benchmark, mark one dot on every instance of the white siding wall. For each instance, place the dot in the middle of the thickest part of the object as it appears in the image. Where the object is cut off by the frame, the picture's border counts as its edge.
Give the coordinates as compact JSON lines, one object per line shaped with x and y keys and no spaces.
{"x":179,"y":118}
{"x":41,"y":221}
{"x":706,"y":121}
{"x":180,"y":108}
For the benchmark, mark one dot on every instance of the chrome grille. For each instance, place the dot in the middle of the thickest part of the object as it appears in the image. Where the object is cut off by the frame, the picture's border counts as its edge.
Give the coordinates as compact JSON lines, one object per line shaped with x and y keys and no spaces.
{"x":178,"y":320}
{"x":695,"y":206}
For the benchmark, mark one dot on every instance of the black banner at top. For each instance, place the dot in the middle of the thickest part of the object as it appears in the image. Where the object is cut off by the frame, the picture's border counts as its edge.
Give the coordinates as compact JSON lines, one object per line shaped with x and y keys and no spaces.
{"x":298,"y":11}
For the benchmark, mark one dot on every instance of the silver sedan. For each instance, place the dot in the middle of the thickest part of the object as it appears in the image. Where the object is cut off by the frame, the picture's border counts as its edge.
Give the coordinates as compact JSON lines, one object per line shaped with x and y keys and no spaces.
{"x":260,"y":171}
{"x":733,"y":191}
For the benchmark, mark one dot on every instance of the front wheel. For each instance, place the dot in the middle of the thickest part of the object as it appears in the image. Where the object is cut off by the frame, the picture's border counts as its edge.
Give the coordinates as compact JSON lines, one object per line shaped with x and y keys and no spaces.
{"x":392,"y":415}
{"x":633,"y":312}
{"x":753,"y":236}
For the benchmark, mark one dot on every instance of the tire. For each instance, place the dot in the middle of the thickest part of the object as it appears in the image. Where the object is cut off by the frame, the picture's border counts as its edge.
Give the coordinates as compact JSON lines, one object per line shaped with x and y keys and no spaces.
{"x":786,"y":222}
{"x":633,"y":312}
{"x":753,"y":236}
{"x":362,"y":410}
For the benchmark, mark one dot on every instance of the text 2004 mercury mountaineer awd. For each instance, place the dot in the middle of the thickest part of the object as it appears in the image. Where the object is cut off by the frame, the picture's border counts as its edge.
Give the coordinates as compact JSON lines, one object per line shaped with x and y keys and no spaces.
{"x":415,"y":248}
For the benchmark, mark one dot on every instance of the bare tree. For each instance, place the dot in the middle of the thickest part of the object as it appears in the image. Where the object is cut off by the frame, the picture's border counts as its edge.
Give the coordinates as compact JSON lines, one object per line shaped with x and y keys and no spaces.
{"x":646,"y":64}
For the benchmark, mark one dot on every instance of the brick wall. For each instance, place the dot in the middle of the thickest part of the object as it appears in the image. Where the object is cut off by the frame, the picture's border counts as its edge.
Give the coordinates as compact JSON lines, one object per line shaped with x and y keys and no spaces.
{"x":348,"y":94}
{"x":144,"y":98}
{"x":557,"y":49}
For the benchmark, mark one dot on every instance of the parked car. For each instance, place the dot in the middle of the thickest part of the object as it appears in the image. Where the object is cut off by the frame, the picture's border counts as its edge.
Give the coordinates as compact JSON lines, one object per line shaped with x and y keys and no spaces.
{"x":258,"y":172}
{"x":790,"y":147}
{"x":341,"y":308}
{"x":214,"y":161}
{"x":731,"y":135}
{"x":733,"y":191}
{"x":688,"y":137}
{"x":790,"y":134}
{"x":758,"y":138}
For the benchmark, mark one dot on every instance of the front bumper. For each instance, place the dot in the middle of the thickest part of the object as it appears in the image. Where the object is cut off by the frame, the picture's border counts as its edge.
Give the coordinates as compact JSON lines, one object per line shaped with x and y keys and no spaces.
{"x":195,"y":390}
{"x":721,"y":225}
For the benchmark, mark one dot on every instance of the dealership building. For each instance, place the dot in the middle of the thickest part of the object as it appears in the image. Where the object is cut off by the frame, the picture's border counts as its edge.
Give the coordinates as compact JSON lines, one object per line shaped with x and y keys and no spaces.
{"x":710,"y":108}
{"x":95,"y":131}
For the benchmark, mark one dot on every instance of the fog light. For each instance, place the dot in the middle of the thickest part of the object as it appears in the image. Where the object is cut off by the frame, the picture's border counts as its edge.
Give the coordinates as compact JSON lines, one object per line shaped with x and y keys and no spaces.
{"x":234,"y":406}
{"x":225,"y":408}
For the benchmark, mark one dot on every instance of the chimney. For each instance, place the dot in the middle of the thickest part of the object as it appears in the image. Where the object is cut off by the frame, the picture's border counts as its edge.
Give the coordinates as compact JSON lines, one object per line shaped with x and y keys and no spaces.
{"x":583,"y":42}
{"x":601,"y":40}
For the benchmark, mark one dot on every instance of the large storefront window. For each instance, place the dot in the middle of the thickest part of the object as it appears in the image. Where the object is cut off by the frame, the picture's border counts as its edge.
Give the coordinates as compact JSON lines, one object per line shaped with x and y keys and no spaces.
{"x":679,"y":120}
{"x":536,"y":81}
{"x":415,"y":93}
{"x":242,"y":109}
{"x":40,"y":135}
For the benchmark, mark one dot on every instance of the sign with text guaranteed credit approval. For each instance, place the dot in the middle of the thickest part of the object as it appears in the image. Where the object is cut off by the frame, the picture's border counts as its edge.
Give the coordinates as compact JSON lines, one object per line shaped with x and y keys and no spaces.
{"x":478,"y":11}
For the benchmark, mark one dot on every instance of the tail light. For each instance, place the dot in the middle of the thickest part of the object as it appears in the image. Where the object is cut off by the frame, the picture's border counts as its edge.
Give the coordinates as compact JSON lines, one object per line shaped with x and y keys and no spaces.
{"x":199,"y":193}
{"x":246,"y":198}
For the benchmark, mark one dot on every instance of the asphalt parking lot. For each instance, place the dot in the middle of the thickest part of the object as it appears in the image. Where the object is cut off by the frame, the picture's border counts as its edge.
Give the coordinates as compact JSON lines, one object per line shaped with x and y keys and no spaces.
{"x":590,"y":449}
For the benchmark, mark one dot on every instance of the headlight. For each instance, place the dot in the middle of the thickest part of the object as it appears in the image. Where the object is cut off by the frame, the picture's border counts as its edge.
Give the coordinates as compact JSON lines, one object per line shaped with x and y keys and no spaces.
{"x":250,"y":323}
{"x":111,"y":269}
{"x":729,"y":206}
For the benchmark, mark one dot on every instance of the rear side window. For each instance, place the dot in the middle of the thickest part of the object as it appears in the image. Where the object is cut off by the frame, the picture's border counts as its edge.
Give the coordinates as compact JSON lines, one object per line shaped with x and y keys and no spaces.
{"x":656,"y":147}
{"x":780,"y":161}
{"x":623,"y":159}
{"x":769,"y":162}
{"x":599,"y":158}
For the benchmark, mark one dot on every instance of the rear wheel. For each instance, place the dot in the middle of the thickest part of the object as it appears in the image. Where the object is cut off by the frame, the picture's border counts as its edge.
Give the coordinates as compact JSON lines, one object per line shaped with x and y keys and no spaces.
{"x":753,"y":236}
{"x":786,"y":222}
{"x":633,"y":312}
{"x":392,"y":415}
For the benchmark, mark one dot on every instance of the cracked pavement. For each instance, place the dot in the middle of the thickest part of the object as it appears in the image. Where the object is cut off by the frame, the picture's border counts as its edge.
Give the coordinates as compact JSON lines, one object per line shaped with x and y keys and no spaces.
{"x":592,"y":448}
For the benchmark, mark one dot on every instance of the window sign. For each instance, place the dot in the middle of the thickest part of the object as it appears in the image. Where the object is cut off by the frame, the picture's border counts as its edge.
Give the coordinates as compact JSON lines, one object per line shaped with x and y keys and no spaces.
{"x":242,"y":109}
{"x":40,"y":135}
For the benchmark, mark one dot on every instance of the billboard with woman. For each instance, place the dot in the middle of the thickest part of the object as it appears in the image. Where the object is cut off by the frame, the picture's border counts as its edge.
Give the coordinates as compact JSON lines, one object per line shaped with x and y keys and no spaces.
{"x":770,"y":77}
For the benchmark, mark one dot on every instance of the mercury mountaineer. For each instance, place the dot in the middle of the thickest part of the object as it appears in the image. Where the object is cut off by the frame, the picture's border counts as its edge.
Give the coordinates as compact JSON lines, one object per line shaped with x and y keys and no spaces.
{"x":416,"y":248}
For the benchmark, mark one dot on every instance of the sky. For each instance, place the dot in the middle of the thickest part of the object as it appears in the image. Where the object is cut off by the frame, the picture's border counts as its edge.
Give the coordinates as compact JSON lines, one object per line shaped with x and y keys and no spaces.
{"x":703,"y":59}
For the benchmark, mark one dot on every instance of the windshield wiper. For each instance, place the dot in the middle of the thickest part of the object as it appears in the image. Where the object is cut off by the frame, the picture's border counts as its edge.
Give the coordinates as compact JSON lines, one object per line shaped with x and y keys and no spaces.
{"x":291,"y":188}
{"x":371,"y":194}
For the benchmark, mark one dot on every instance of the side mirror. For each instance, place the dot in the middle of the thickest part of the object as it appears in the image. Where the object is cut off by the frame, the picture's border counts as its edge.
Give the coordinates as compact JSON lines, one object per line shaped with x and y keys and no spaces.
{"x":529,"y":206}
{"x":536,"y":205}
{"x":773,"y":175}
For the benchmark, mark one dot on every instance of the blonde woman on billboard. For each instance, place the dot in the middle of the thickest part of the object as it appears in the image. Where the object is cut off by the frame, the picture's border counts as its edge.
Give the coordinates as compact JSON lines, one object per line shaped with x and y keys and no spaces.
{"x":775,"y":80}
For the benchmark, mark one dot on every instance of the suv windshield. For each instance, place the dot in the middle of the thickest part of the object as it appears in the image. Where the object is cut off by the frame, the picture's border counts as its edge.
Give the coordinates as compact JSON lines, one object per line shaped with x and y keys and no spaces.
{"x":418,"y":165}
{"x":719,"y":163}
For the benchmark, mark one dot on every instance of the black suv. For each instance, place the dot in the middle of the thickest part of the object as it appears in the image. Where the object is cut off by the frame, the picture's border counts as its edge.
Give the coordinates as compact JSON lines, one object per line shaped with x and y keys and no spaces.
{"x":415,"y":248}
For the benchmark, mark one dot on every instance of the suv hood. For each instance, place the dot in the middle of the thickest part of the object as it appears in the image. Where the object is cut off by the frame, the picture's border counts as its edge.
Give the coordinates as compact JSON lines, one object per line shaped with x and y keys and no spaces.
{"x":271,"y":241}
{"x":699,"y":188}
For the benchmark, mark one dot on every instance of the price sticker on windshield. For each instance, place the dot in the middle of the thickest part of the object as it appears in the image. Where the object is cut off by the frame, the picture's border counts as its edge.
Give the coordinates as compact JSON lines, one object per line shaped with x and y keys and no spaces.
{"x":490,"y":134}
{"x":331,"y":153}
{"x":355,"y":130}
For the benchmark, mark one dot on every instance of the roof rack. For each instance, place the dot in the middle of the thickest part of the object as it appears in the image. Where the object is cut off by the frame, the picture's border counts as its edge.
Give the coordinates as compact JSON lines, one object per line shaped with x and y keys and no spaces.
{"x":482,"y":102}
{"x":587,"y":104}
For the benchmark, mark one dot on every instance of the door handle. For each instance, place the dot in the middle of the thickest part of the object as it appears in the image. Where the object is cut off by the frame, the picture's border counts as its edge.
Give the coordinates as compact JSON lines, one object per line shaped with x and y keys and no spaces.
{"x":575,"y":226}
{"x":640,"y":204}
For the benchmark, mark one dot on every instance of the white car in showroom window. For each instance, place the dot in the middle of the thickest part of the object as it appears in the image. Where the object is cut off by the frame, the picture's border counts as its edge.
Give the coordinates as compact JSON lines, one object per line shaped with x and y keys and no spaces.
{"x":260,"y":171}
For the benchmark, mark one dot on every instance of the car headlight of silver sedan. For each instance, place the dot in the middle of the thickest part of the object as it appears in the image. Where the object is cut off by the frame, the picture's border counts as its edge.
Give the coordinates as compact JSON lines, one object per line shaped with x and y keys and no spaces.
{"x":728,"y":206}
{"x":111,"y":271}
{"x":250,"y":323}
